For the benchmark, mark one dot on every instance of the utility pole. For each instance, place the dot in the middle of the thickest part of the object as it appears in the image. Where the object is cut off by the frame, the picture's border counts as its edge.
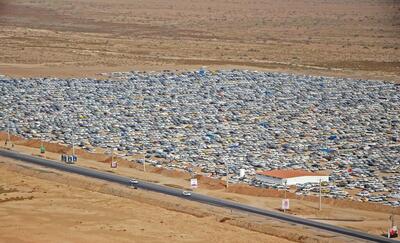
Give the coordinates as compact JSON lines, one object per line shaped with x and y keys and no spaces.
{"x":285,"y":188}
{"x":8,"y":130}
{"x":73,"y":144}
{"x":112,"y":156}
{"x":320,"y":197}
{"x":284,"y":208}
{"x":227,"y":174}
{"x":144,"y":159}
{"x":144,"y":151}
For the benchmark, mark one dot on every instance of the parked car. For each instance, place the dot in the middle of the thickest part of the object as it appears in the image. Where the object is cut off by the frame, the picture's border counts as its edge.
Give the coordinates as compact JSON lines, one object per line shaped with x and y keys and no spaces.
{"x":363,"y":194}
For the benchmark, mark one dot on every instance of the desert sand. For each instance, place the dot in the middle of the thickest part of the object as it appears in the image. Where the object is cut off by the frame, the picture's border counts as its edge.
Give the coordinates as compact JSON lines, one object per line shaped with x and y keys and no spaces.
{"x":368,"y":217}
{"x":37,"y":210}
{"x":69,"y":38}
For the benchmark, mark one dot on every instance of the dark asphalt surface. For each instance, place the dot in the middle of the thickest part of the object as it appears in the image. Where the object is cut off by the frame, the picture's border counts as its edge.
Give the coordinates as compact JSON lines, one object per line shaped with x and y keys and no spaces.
{"x":194,"y":197}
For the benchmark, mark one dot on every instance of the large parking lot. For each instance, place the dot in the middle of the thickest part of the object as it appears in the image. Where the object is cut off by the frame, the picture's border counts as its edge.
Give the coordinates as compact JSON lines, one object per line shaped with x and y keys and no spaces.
{"x":233,"y":119}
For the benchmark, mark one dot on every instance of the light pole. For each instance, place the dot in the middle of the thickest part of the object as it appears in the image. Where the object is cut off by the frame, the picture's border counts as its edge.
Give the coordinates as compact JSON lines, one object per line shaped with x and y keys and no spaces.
{"x":8,"y":140}
{"x":227,"y":174}
{"x":284,"y":208}
{"x":285,"y":188}
{"x":112,"y":157}
{"x":73,"y":144}
{"x":144,"y":145}
{"x":144,"y":159}
{"x":8,"y":132}
{"x":320,"y":197}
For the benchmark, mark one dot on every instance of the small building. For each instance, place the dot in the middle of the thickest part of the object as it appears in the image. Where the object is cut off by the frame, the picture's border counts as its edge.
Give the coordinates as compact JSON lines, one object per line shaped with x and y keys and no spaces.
{"x":290,"y":177}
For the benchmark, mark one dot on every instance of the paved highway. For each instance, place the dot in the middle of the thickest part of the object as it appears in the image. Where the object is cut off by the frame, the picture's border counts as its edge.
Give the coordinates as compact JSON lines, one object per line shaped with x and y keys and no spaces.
{"x":194,"y":197}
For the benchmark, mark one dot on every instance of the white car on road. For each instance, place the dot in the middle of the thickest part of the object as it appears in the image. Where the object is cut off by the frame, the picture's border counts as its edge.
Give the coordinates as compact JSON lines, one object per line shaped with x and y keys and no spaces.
{"x":133,"y":182}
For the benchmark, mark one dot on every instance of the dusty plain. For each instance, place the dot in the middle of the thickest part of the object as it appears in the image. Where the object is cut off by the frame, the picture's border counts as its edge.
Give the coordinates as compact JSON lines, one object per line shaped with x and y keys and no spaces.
{"x":359,"y":39}
{"x":39,"y":210}
{"x":71,"y":38}
{"x":368,"y":219}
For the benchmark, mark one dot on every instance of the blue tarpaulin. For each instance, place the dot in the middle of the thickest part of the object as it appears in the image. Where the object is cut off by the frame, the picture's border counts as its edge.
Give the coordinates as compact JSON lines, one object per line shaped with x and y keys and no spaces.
{"x":327,"y":150}
{"x":264,"y":124}
{"x":333,"y":137}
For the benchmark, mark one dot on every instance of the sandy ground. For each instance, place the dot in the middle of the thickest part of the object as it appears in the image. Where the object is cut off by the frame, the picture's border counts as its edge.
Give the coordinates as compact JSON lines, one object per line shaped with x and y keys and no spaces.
{"x":44,"y":205}
{"x":82,"y":38}
{"x":37,"y":210}
{"x":71,"y":38}
{"x":369,"y":219}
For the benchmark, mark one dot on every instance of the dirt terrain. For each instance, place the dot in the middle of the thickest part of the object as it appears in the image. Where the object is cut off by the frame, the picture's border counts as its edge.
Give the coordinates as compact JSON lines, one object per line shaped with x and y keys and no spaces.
{"x":44,"y":205}
{"x":71,"y":38}
{"x":367,"y":217}
{"x":38,"y":210}
{"x":82,"y":38}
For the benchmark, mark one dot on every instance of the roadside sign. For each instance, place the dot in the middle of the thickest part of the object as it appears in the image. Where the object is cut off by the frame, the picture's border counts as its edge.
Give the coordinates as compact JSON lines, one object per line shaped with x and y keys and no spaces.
{"x":193,"y":183}
{"x":285,"y":204}
{"x":114,"y":164}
